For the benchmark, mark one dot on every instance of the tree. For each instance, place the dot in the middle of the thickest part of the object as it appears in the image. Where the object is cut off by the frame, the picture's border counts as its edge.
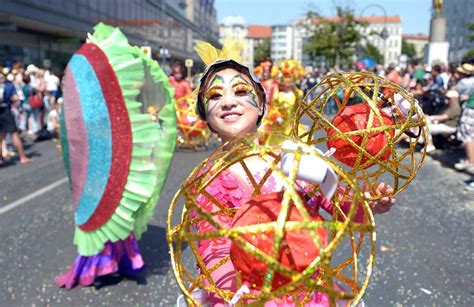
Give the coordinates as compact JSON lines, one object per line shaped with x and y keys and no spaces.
{"x":262,"y":52}
{"x":335,"y":40}
{"x":408,"y":49}
{"x":370,"y":51}
{"x":469,"y":56}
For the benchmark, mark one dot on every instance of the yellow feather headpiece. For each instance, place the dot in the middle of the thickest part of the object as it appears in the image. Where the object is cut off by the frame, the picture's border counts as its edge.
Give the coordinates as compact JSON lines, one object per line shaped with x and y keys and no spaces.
{"x":231,"y":50}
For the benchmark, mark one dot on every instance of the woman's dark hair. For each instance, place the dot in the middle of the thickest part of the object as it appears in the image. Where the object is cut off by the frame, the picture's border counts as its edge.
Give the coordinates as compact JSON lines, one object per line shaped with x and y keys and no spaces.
{"x":26,"y":79}
{"x":212,"y":70}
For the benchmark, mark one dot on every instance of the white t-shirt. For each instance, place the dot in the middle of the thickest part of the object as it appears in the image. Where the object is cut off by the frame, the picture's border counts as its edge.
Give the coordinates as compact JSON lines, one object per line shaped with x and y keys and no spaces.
{"x":53,"y":114}
{"x":52,"y":83}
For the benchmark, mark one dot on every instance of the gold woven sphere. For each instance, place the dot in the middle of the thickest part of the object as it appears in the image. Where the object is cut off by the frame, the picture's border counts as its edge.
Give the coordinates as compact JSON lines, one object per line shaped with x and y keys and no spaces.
{"x":204,"y":210}
{"x":363,"y":117}
{"x":193,"y":132}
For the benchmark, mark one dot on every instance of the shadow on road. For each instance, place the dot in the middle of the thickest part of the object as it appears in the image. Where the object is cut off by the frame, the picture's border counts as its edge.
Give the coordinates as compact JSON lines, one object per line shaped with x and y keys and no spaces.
{"x":155,"y":251}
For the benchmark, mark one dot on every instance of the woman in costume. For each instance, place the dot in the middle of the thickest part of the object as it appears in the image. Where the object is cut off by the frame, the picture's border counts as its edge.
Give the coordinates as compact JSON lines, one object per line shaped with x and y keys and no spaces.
{"x":115,"y":152}
{"x":284,"y":101}
{"x":232,"y":102}
{"x":267,"y":74}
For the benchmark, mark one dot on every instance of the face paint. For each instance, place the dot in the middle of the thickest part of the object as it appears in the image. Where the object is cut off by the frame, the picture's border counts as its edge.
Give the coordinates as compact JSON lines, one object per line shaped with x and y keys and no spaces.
{"x":237,"y":88}
{"x":214,"y":92}
{"x":231,"y":103}
{"x":244,"y":90}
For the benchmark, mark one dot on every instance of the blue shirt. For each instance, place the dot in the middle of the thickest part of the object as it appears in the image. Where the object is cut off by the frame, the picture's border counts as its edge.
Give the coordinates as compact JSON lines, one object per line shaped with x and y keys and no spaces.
{"x":8,"y":92}
{"x":437,"y":84}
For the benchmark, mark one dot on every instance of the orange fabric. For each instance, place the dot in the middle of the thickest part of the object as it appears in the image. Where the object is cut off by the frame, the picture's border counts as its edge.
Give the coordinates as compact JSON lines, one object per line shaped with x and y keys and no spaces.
{"x":182,"y":87}
{"x":298,"y":249}
{"x":353,"y":118}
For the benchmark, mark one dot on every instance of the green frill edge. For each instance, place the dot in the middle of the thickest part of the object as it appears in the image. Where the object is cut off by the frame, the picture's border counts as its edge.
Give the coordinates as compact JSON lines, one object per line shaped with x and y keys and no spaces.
{"x":153,"y":142}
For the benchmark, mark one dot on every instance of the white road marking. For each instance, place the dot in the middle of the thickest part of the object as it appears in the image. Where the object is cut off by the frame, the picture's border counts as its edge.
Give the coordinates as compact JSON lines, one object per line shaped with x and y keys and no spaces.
{"x":27,"y":198}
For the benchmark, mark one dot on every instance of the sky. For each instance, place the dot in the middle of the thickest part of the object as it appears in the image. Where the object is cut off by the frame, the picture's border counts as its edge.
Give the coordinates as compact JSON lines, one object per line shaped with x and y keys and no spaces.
{"x":415,"y":14}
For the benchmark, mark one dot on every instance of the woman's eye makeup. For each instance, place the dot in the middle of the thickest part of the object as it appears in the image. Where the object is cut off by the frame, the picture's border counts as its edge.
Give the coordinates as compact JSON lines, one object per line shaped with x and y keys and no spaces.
{"x":239,"y":87}
{"x":214,"y":94}
{"x":242,"y":89}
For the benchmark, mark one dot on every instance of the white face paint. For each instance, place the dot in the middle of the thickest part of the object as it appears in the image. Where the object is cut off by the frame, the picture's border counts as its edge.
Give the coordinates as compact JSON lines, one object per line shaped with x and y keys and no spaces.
{"x":232,"y":106}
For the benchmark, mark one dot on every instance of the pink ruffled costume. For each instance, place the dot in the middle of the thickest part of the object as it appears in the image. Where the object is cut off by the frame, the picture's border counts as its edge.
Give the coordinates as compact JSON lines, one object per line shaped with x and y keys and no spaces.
{"x":232,"y":191}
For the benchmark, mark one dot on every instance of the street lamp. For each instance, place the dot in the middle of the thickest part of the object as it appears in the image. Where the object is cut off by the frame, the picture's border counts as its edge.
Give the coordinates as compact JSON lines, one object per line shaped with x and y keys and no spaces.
{"x":384,"y":33}
{"x":164,"y":55}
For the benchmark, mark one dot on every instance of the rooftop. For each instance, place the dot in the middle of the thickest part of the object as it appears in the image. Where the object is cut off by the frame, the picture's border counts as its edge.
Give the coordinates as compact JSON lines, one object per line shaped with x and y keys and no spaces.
{"x":257,"y":31}
{"x":419,"y":36}
{"x":369,"y":19}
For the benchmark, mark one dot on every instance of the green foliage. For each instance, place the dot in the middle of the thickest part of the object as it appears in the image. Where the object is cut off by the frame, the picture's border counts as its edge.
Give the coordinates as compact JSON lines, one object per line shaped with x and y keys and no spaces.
{"x":370,"y":51}
{"x":336,"y":41}
{"x":470,"y":27}
{"x":469,"y":56}
{"x":408,"y":49}
{"x":262,"y":52}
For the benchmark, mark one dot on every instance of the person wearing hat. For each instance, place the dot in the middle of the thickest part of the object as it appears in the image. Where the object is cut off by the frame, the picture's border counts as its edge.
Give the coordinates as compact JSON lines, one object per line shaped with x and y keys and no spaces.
{"x":232,"y":101}
{"x":465,"y":87}
{"x":446,"y":122}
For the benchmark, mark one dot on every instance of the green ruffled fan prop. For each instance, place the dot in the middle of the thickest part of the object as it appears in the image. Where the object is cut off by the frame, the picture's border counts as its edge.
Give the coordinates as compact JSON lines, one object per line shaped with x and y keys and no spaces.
{"x":118,"y":134}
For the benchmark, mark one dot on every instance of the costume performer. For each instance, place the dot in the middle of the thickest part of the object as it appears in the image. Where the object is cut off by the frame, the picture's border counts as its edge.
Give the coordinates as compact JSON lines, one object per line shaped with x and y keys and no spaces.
{"x":193,"y":132}
{"x":181,"y":85}
{"x":284,"y":102}
{"x":116,"y":154}
{"x":232,"y":102}
{"x":267,"y":74}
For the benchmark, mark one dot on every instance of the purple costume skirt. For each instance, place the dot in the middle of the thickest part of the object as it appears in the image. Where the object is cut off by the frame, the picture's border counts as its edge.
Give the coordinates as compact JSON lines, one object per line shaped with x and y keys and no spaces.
{"x":122,"y":256}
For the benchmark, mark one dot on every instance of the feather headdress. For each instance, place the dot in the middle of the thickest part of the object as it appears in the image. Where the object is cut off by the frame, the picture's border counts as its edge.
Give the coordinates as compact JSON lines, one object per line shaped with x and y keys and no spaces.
{"x":231,"y":50}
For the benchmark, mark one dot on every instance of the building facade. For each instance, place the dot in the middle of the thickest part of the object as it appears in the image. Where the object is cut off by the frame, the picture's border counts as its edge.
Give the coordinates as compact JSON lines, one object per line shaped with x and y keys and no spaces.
{"x":390,"y":46}
{"x":36,"y":30}
{"x":259,"y":33}
{"x":384,"y":32}
{"x":236,"y":27}
{"x":419,"y":41}
{"x":282,"y":42}
{"x":458,"y":14}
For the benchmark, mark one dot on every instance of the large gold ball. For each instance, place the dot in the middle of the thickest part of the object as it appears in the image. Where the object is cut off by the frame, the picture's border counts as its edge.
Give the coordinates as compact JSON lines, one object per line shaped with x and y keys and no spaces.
{"x":343,"y":265}
{"x":373,"y":124}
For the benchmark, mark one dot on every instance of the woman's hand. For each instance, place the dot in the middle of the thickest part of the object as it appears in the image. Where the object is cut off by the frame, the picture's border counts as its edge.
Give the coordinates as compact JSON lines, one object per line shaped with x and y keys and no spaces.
{"x":384,"y":204}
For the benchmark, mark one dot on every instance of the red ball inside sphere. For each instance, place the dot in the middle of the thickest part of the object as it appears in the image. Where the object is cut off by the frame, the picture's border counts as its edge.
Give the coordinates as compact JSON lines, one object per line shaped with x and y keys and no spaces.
{"x":354,"y":118}
{"x":297,"y":250}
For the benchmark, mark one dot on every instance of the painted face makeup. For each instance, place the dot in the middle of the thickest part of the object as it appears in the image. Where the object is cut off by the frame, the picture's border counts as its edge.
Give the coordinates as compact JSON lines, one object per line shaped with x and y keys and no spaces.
{"x":231,"y":104}
{"x":236,"y":88}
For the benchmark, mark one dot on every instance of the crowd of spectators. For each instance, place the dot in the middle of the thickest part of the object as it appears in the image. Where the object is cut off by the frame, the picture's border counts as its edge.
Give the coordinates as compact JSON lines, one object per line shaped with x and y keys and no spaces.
{"x":446,"y":95}
{"x":30,"y":102}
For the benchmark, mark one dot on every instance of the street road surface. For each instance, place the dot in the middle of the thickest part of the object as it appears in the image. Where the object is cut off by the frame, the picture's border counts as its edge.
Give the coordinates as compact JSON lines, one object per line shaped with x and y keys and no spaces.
{"x":424,"y":245}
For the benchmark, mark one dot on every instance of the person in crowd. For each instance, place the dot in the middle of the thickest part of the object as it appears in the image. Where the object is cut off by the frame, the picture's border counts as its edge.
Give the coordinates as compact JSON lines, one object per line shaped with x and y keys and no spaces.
{"x":446,"y":122}
{"x":433,"y":96}
{"x":268,"y":74}
{"x":407,"y":80}
{"x":39,"y":87}
{"x":465,"y":87}
{"x":392,"y":74}
{"x":445,"y":75}
{"x":181,"y":85}
{"x":52,"y":120}
{"x":52,"y":84}
{"x":437,"y":83}
{"x":7,"y":121}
